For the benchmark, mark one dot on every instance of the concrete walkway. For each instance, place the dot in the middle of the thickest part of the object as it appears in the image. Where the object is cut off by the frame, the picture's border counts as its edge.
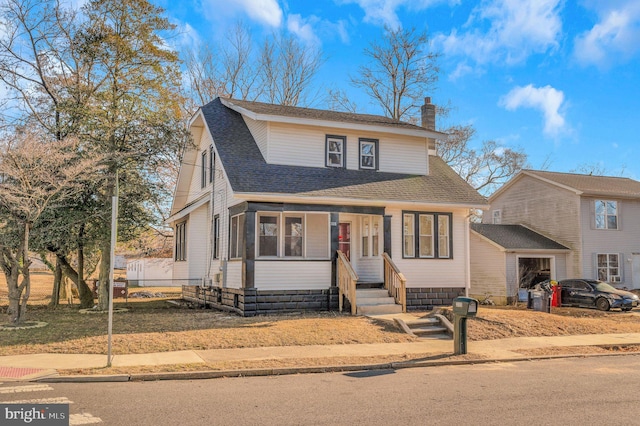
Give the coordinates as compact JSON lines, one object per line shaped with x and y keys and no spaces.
{"x":31,"y":367}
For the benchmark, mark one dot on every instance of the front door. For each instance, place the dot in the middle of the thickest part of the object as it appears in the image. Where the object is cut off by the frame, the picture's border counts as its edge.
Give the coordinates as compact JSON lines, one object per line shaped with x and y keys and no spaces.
{"x":344,"y":238}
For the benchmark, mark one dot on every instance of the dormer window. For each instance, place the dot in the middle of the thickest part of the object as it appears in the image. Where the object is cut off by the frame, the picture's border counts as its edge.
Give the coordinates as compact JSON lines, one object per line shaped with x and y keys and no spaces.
{"x":369,"y":154}
{"x":335,"y":151}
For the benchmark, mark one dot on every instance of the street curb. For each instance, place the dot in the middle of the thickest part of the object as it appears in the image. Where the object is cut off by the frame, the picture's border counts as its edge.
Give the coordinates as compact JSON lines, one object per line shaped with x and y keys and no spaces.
{"x":210,"y":374}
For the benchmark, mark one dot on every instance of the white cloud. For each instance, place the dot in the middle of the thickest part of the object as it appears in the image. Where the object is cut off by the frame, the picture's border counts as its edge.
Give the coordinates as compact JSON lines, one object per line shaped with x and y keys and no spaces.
{"x":517,"y":29}
{"x":545,"y":99}
{"x":615,"y":37}
{"x":384,"y":12}
{"x":302,"y":28}
{"x":266,"y":12}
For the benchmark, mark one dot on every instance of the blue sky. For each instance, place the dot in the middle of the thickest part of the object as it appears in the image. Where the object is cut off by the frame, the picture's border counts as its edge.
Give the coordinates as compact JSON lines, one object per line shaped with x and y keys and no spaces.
{"x":560,"y":79}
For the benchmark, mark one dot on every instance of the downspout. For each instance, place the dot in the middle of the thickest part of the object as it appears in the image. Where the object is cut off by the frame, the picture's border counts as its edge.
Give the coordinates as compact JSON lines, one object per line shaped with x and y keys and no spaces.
{"x":467,"y":267}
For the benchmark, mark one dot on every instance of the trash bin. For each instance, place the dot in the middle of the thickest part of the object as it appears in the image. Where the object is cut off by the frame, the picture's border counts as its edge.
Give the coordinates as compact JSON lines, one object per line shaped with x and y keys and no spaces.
{"x":539,"y":300}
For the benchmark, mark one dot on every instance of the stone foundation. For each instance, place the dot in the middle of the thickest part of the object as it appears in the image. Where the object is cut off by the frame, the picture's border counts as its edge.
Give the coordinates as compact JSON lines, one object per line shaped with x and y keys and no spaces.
{"x":421,"y":299}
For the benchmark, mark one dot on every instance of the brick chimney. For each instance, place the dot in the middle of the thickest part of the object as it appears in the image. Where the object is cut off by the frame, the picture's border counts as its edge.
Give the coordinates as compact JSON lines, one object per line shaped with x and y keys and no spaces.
{"x":428,"y":111}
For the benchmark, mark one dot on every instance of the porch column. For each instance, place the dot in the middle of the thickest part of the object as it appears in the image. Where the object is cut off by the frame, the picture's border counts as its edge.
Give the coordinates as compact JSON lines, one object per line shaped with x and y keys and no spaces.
{"x":387,"y":234}
{"x":334,"y":219}
{"x":249,"y":252}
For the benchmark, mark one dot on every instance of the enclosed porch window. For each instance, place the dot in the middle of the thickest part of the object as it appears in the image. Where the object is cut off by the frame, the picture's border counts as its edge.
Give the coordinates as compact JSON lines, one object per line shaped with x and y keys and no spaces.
{"x":292,"y":235}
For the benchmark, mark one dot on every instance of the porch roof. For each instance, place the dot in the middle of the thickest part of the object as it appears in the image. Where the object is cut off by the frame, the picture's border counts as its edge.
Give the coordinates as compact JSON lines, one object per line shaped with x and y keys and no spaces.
{"x":248,"y":172}
{"x":516,"y":237}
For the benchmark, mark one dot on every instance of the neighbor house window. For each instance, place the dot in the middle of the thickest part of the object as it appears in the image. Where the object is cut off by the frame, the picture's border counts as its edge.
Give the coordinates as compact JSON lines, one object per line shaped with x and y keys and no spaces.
{"x":236,"y":236}
{"x":497,"y":217}
{"x":434,"y":235}
{"x":181,"y":241}
{"x":283,"y":235}
{"x":370,"y":236}
{"x":203,"y":169}
{"x":608,"y":267}
{"x":335,"y":151}
{"x":369,"y":154}
{"x":606,"y":214}
{"x":216,"y":237}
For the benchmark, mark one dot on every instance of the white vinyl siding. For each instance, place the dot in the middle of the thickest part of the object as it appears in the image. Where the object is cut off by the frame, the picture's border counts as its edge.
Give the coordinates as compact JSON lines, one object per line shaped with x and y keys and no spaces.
{"x":292,"y":275}
{"x":259,"y":131}
{"x":488,"y":269}
{"x":196,"y":189}
{"x":197,"y":233}
{"x":306,"y":146}
{"x":317,"y":235}
{"x":234,"y":274}
{"x":432,"y":272}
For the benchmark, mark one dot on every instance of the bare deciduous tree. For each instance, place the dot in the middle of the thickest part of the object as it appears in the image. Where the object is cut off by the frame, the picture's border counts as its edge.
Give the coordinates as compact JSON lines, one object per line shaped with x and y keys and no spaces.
{"x":400,"y":72}
{"x":35,"y":172}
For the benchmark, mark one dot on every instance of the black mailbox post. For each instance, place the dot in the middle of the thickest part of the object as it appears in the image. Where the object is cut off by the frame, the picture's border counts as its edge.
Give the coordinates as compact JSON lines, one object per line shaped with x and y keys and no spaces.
{"x":463,"y":308}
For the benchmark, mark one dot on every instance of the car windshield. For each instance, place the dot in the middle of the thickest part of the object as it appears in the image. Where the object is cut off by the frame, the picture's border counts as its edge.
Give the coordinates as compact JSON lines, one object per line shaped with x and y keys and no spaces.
{"x":601,"y":286}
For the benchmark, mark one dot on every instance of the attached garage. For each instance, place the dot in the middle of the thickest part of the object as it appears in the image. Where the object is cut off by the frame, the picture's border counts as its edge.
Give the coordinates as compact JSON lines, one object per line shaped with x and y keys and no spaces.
{"x":505,"y":258}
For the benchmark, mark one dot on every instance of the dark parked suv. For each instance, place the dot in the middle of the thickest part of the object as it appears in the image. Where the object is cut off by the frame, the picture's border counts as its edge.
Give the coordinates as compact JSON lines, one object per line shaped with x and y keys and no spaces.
{"x":596,"y":294}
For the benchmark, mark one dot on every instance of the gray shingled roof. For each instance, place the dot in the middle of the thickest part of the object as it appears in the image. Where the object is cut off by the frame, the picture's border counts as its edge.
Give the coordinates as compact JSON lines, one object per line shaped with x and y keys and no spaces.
{"x":319,"y":114}
{"x":248,"y":172}
{"x":516,"y":237}
{"x":593,"y":185}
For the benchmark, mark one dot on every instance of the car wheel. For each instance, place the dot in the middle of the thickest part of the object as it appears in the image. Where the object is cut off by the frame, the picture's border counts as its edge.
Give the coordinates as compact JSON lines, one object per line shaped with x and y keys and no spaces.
{"x":626,"y":309}
{"x":603,"y":304}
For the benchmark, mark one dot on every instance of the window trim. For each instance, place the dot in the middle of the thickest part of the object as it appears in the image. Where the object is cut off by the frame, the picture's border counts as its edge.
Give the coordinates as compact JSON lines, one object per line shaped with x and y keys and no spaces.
{"x":435,"y":238}
{"x":282,"y":217}
{"x":180,"y":254}
{"x":606,"y":215}
{"x":374,"y":142}
{"x":343,"y":153}
{"x":259,"y":235}
{"x":610,"y":277}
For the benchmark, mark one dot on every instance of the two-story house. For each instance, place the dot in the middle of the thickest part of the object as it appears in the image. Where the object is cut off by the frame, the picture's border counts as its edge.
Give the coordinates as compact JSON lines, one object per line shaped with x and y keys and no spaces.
{"x":284,"y":208}
{"x":597,"y":218}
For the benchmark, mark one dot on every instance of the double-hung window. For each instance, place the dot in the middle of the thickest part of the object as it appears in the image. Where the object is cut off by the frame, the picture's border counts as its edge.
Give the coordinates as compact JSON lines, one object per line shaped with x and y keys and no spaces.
{"x":427,"y":235}
{"x":212,"y":163}
{"x":368,"y":154}
{"x":216,"y":237}
{"x":268,"y":235}
{"x":203,"y":169}
{"x":181,"y":241}
{"x":335,"y":148}
{"x":606,"y":214}
{"x":609,"y":267}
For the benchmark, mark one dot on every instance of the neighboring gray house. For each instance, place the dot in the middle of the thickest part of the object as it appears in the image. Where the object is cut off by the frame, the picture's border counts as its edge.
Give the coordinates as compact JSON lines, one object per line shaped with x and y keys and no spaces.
{"x":596,"y":217}
{"x":271,"y":195}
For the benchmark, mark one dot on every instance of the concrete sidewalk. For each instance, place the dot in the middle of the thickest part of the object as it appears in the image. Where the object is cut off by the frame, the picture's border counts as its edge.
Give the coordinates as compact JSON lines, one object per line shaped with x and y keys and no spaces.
{"x":31,"y":367}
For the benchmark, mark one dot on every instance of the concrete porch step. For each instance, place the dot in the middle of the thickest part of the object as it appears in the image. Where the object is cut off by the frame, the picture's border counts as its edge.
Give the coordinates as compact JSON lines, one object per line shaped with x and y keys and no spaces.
{"x":380,"y":309}
{"x":428,"y":330}
{"x":371,"y":293}
{"x":432,"y":327}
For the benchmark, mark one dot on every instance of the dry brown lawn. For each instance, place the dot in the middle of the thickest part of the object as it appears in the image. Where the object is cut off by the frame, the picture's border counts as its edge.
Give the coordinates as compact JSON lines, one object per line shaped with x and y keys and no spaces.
{"x":154,"y":325}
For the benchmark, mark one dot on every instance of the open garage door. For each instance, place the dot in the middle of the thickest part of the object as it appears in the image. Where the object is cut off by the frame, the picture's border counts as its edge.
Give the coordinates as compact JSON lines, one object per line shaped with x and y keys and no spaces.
{"x":533,"y":270}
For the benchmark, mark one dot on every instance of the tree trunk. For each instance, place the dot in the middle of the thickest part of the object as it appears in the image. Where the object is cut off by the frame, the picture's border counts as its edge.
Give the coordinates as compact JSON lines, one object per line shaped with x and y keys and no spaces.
{"x":84,"y":292}
{"x":11,"y":270}
{"x":25,"y":286}
{"x":57,"y":281}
